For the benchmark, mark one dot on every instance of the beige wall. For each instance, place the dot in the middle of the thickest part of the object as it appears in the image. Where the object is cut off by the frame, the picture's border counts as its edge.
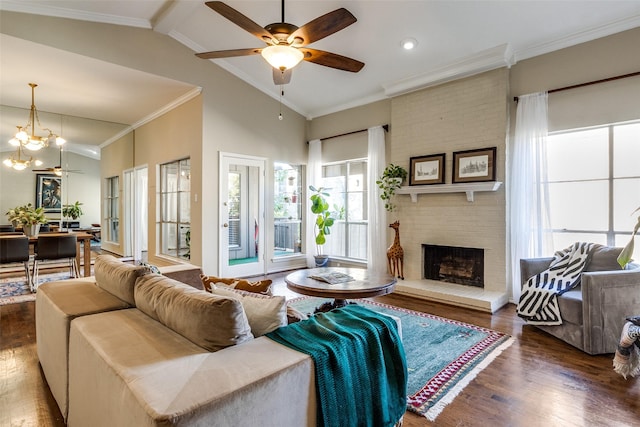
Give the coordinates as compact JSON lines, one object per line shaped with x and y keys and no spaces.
{"x":114,"y":159}
{"x":462,"y":115}
{"x":173,"y":136}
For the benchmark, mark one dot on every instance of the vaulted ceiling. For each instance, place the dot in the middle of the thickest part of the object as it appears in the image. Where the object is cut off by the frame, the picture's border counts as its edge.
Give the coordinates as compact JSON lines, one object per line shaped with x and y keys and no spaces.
{"x":454,"y":39}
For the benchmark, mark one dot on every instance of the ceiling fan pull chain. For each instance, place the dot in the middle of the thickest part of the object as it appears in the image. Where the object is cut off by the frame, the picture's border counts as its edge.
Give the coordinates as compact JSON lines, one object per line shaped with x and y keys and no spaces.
{"x":281,"y":95}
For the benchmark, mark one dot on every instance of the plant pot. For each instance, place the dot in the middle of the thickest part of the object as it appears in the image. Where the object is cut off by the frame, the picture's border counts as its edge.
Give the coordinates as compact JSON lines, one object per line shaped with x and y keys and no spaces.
{"x":321,"y":260}
{"x":31,"y":230}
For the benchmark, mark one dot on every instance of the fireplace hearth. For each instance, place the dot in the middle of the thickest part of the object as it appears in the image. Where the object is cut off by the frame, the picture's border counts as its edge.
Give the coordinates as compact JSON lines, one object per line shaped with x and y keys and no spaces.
{"x":463,"y":266}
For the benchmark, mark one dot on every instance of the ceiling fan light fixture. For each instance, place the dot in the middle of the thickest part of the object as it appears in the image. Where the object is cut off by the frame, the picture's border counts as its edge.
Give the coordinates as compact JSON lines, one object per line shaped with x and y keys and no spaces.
{"x":282,"y":57}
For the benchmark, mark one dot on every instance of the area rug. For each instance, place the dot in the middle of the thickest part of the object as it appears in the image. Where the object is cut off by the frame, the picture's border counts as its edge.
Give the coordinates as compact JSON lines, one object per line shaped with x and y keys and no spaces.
{"x":14,"y":290}
{"x":443,"y":355}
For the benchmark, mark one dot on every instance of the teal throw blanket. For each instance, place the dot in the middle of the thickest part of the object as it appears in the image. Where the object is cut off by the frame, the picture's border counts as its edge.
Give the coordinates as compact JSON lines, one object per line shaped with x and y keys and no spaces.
{"x":360,"y":365}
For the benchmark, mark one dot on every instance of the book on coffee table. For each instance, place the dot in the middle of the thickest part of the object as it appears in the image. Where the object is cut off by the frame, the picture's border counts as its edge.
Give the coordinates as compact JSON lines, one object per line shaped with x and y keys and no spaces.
{"x":332,"y":277}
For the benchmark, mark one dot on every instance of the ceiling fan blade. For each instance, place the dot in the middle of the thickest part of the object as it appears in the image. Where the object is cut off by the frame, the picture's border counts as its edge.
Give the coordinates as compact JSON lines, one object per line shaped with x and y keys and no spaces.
{"x":332,"y":60}
{"x":228,"y":53}
{"x":321,"y":27}
{"x":242,"y":21}
{"x":281,"y":77}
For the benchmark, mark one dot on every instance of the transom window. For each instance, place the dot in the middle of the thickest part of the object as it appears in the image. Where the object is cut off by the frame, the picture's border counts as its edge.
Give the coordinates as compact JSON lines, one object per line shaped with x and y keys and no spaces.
{"x":594,"y":184}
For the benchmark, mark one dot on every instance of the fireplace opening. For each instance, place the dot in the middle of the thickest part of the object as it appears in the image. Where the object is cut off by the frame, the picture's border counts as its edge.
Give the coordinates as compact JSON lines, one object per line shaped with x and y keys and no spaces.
{"x":464,"y":266}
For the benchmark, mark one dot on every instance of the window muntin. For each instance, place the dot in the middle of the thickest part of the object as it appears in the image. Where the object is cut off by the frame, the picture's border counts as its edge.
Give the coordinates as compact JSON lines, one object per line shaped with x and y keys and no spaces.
{"x":175,"y":208}
{"x":594,"y":184}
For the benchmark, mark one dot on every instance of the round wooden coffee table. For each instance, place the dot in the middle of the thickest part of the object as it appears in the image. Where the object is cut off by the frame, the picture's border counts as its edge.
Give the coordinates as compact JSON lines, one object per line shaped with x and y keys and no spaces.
{"x":365,"y":284}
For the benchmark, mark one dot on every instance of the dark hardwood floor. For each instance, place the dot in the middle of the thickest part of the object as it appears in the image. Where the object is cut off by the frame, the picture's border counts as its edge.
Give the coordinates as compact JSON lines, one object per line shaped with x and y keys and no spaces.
{"x":538,"y":381}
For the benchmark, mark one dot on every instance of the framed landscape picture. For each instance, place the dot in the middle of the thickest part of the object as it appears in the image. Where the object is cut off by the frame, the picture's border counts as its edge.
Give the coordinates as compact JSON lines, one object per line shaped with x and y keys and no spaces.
{"x":474,"y":165}
{"x":427,"y":169}
{"x":49,"y":192}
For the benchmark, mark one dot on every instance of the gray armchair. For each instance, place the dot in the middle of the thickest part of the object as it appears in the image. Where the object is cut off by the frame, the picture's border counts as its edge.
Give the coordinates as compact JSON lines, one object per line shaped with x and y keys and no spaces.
{"x":594,"y":312}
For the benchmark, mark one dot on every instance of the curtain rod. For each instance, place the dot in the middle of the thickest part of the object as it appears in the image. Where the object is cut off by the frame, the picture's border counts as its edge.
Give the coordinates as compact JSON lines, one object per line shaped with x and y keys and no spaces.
{"x":385,"y":127}
{"x":609,"y":79}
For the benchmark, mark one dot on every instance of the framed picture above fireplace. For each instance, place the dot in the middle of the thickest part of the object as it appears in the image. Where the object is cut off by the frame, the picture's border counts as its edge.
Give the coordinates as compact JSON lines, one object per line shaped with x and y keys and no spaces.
{"x":474,"y":165}
{"x":427,"y":169}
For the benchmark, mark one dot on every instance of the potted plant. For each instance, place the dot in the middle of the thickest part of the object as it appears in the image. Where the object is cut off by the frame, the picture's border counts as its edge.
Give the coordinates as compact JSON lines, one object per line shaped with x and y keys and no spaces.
{"x":323,"y":223}
{"x":625,"y":256}
{"x":28,"y":217}
{"x":391,"y":180}
{"x":73,"y":211}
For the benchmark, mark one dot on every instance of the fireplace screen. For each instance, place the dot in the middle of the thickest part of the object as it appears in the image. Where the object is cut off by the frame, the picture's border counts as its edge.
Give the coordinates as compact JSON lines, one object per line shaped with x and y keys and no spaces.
{"x":464,"y":266}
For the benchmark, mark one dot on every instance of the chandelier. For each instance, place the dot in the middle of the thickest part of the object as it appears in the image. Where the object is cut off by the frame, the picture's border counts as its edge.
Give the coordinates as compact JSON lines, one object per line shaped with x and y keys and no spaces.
{"x":18,"y":163}
{"x":27,"y":138}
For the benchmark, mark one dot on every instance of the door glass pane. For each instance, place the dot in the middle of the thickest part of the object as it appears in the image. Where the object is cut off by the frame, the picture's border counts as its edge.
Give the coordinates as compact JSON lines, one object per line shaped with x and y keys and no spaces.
{"x":243,"y":214}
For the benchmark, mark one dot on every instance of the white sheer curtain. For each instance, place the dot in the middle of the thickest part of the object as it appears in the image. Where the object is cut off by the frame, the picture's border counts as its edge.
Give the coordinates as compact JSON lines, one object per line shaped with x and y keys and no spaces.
{"x":528,"y":190}
{"x":376,"y":241}
{"x":314,"y":176}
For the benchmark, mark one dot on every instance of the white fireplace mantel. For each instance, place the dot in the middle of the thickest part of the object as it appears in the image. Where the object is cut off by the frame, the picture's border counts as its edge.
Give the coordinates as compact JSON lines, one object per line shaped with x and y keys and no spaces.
{"x":469,"y":188}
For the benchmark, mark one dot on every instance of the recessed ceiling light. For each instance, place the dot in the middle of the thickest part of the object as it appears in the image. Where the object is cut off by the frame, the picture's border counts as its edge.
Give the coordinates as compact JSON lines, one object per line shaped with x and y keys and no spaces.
{"x":409,"y":43}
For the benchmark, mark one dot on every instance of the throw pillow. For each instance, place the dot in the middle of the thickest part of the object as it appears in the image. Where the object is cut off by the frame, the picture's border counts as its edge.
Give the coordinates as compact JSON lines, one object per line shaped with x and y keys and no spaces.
{"x":294,"y":315}
{"x":258,"y":287}
{"x":265,"y":313}
{"x":604,"y":258}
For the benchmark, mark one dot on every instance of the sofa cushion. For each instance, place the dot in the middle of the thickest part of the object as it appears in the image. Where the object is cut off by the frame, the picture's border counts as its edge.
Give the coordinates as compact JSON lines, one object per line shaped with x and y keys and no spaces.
{"x":211,"y":321}
{"x":604,"y":258}
{"x":260,"y":286}
{"x":570,"y":304}
{"x":264,"y":313}
{"x":117,"y":277}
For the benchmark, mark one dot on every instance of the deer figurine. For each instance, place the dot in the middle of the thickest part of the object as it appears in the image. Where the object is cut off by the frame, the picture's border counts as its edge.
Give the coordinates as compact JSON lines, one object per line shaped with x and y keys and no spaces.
{"x":395,"y":254}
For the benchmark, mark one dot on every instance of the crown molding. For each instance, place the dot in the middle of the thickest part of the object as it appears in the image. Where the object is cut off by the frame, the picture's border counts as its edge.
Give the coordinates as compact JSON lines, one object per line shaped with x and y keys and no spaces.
{"x":61,"y":12}
{"x":489,"y":59}
{"x":578,"y":38}
{"x":170,"y":106}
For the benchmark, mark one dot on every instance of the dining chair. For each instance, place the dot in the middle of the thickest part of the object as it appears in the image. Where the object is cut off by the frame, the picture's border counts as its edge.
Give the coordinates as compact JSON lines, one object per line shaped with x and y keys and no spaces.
{"x":55,"y":247}
{"x":7,"y":227}
{"x":14,"y":249}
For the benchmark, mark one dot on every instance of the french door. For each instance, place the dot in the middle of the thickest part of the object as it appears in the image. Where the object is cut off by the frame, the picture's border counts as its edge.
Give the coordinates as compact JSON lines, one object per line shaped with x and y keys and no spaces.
{"x":241,"y":215}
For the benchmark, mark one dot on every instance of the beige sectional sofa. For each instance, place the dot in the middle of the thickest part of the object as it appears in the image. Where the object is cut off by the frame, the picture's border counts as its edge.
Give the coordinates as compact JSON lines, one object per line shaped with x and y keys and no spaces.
{"x":130,"y":348}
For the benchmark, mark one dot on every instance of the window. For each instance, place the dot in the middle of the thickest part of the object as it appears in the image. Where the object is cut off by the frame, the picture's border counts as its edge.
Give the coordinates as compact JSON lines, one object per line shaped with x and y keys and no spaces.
{"x":112,"y":209}
{"x":346,"y":183}
{"x":287,"y":209}
{"x":175,"y":208}
{"x":594,"y":184}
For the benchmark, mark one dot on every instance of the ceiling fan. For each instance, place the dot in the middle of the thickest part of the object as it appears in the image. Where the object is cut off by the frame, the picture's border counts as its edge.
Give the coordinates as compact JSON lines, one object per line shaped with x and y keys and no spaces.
{"x":57,"y":170}
{"x":286,"y":43}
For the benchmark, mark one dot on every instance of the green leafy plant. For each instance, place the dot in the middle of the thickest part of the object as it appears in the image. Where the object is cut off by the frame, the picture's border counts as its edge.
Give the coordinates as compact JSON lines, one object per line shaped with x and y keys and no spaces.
{"x":73,"y":211}
{"x":625,"y":256}
{"x":27,"y":215}
{"x":324,"y":221}
{"x":391,"y":180}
